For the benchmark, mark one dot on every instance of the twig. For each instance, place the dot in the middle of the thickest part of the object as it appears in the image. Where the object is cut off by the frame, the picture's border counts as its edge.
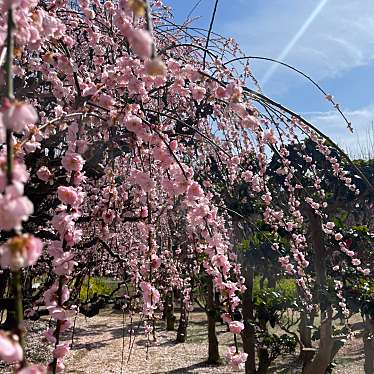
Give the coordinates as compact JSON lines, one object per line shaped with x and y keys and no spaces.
{"x":210,"y":31}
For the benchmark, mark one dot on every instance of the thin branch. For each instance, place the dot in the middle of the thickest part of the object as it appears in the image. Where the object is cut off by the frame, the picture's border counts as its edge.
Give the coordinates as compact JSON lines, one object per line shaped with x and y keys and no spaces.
{"x":210,"y":31}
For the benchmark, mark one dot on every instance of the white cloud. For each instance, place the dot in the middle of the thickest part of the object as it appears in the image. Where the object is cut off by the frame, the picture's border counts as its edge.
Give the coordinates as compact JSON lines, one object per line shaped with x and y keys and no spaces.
{"x":332,"y":124}
{"x":340,"y":38}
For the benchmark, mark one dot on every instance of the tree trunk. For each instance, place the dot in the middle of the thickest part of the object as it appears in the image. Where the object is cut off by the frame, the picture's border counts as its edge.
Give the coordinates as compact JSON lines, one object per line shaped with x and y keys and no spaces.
{"x":323,"y":357}
{"x":248,"y":334}
{"x":213,"y":352}
{"x":328,"y":347}
{"x":169,"y":311}
{"x":305,"y":332}
{"x":368,"y":339}
{"x":272,"y":281}
{"x":183,"y":323}
{"x":27,"y":286}
{"x":263,"y":361}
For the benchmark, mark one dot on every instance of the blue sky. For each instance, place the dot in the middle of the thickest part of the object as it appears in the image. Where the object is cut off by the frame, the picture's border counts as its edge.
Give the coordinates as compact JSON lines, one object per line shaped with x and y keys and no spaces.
{"x":335,"y":47}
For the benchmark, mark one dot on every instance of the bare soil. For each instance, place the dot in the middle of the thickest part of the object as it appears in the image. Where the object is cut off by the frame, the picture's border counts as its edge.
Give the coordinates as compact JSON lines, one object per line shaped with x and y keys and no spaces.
{"x":103,"y":342}
{"x":100,"y":341}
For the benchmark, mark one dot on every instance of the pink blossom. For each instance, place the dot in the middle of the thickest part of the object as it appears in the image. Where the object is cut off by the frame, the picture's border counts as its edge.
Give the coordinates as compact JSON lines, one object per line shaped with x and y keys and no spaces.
{"x":60,"y":367}
{"x":144,"y":181}
{"x":234,"y":90}
{"x":34,"y":369}
{"x":267,"y":198}
{"x":141,"y":42}
{"x":55,"y":248}
{"x":59,"y":313}
{"x":51,"y":297}
{"x":155,"y":261}
{"x":144,"y":212}
{"x":49,"y":336}
{"x":108,"y":216}
{"x":19,"y":175}
{"x":10,"y":349}
{"x":195,"y":191}
{"x":226,"y":318}
{"x":6,"y":4}
{"x":250,"y":122}
{"x":61,"y":350}
{"x":155,"y":67}
{"x":134,"y":124}
{"x":20,"y":251}
{"x":221,"y":262}
{"x":72,"y":161}
{"x":236,"y":327}
{"x":151,"y":296}
{"x":44,"y":174}
{"x":31,"y":146}
{"x":65,"y":264}
{"x":338,"y":236}
{"x":18,"y":115}
{"x":14,"y":208}
{"x":198,"y":93}
{"x":29,"y":312}
{"x":356,"y":262}
{"x":79,"y":177}
{"x":63,"y":222}
{"x":73,"y":237}
{"x":66,"y":324}
{"x":173,"y":145}
{"x":350,"y":253}
{"x":68,"y":195}
{"x":269,"y":137}
{"x":236,"y":359}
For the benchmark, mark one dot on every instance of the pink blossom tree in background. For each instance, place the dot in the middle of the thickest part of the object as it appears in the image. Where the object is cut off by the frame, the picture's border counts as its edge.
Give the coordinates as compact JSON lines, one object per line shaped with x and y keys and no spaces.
{"x":122,"y":135}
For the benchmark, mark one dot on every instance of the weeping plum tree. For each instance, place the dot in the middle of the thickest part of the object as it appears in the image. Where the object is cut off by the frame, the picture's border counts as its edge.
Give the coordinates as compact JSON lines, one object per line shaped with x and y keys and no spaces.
{"x":115,"y":125}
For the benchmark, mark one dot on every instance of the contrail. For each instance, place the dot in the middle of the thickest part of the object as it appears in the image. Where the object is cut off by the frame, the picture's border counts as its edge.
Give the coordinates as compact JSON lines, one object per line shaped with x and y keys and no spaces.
{"x":294,"y":40}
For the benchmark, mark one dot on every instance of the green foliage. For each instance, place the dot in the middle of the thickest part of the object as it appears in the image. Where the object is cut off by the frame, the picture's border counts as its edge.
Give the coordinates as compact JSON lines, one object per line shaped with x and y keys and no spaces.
{"x":271,"y":302}
{"x":96,"y":286}
{"x":277,"y":345}
{"x":286,"y":287}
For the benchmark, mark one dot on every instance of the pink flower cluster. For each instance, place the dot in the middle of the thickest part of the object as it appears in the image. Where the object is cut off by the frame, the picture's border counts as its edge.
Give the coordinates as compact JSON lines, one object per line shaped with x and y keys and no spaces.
{"x":15,"y":116}
{"x":20,"y":251}
{"x":236,"y":327}
{"x":10,"y":349}
{"x":14,"y":208}
{"x":236,"y":359}
{"x":151,"y":297}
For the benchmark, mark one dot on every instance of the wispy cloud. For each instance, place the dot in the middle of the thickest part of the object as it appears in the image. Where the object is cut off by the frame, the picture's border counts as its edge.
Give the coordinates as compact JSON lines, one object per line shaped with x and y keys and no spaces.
{"x":339,"y":39}
{"x":292,"y":43}
{"x":333,"y":125}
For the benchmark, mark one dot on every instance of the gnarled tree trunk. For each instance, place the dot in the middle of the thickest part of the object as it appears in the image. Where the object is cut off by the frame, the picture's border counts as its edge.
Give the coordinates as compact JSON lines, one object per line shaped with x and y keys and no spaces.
{"x":328,"y":346}
{"x":305,"y":332}
{"x":323,"y":357}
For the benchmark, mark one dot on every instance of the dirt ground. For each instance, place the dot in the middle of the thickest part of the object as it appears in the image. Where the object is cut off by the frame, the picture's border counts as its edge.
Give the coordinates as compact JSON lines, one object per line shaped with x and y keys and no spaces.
{"x":100,"y":341}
